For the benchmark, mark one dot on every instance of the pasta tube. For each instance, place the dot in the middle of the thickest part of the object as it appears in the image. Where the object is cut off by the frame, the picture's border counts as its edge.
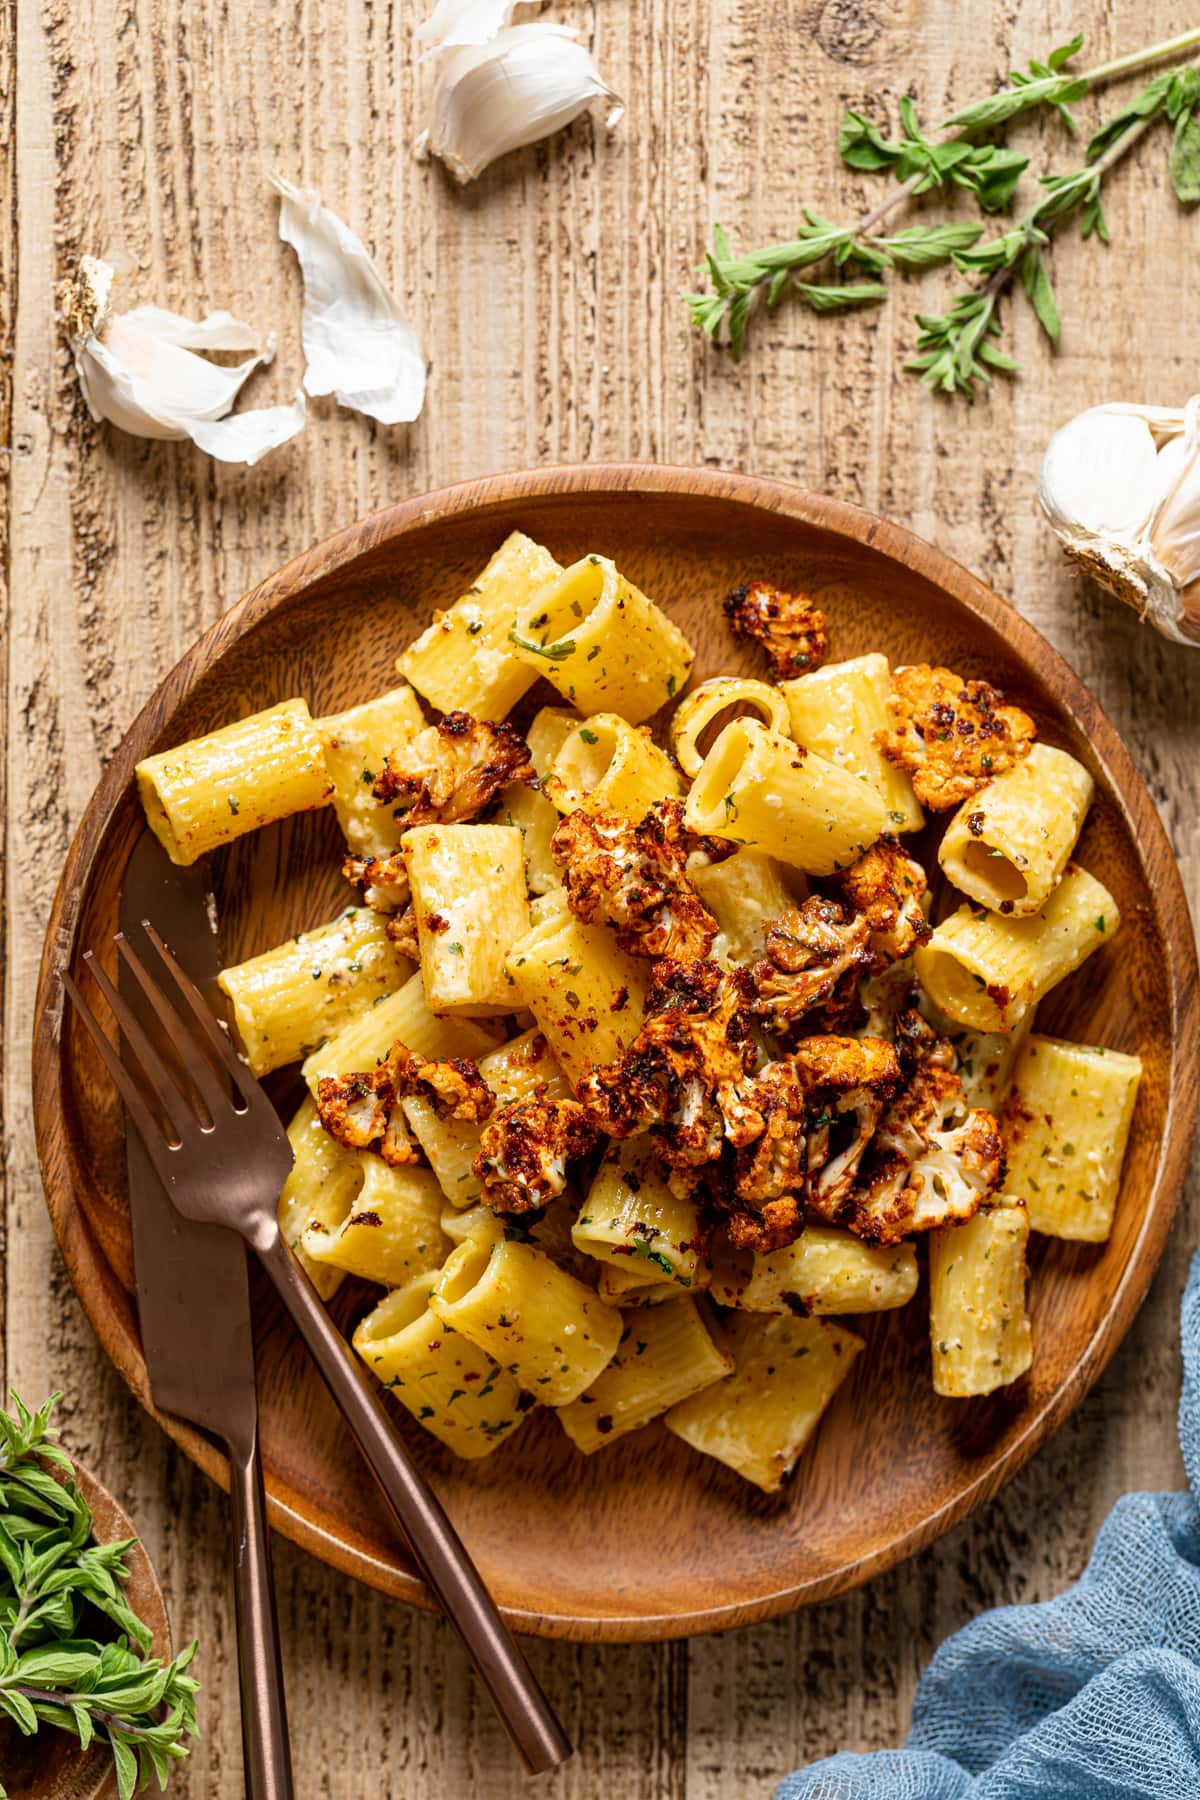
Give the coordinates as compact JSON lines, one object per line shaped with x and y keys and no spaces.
{"x":513,"y":1301}
{"x":696,"y":712}
{"x":837,"y":711}
{"x":663,"y":1357}
{"x":320,"y":1189}
{"x":1008,"y":845}
{"x":988,"y":971}
{"x":356,"y":744}
{"x":745,"y":894}
{"x":528,"y":808}
{"x":588,"y":997}
{"x":606,"y":762}
{"x":216,"y":788}
{"x":630,"y":1218}
{"x":602,"y":643}
{"x":469,"y":897}
{"x":472,"y":1222}
{"x":762,"y":790}
{"x":513,"y":1072}
{"x":980,"y":1331}
{"x":448,"y":1384}
{"x":403,"y":1016}
{"x":392,"y":1229}
{"x":758,"y":1420}
{"x":1065,"y":1127}
{"x":464,"y":659}
{"x":986,"y":1059}
{"x":824,"y":1271}
{"x":289,"y":1000}
{"x":624,"y":1287}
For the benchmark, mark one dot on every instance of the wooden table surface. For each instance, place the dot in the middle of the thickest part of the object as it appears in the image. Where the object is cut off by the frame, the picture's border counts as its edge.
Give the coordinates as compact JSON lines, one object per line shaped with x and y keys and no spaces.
{"x":547,"y":297}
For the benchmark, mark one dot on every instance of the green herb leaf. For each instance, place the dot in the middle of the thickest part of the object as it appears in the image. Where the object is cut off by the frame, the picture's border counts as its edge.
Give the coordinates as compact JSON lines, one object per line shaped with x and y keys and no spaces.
{"x":554,"y":652}
{"x":1041,"y":294}
{"x":922,"y":246}
{"x":840,"y":299}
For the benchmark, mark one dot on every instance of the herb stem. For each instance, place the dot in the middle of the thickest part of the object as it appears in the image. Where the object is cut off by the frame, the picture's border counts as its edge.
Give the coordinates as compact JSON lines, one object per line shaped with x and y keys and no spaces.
{"x":1141,"y":59}
{"x":110,"y":1721}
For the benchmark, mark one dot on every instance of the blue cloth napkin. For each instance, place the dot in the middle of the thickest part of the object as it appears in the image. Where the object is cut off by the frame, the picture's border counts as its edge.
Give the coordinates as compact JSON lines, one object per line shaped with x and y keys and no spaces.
{"x":1092,"y":1696}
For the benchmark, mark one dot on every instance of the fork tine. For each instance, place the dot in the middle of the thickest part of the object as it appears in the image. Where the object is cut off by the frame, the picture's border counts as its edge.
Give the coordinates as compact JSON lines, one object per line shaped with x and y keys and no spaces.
{"x":174,"y":1105}
{"x":212,"y":1092}
{"x":205,"y":1018}
{"x":149,"y":1129}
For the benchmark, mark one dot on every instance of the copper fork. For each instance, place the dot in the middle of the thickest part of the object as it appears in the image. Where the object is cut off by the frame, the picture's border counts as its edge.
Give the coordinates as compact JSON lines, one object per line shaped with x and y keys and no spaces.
{"x":222,"y":1154}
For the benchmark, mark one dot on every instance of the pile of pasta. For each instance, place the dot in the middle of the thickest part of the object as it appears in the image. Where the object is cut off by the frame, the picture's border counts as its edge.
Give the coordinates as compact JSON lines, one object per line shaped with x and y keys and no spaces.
{"x":639,"y":1063}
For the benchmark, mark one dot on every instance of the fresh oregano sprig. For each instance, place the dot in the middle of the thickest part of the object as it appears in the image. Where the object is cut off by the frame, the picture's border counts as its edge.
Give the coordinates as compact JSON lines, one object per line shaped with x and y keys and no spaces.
{"x":739,"y":284}
{"x":955,"y":350}
{"x":57,"y":1588}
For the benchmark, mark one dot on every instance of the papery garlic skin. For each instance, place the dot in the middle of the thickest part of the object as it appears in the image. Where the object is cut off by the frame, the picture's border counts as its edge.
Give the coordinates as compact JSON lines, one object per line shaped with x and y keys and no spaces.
{"x":526,"y":83}
{"x":1120,"y":486}
{"x":453,"y":23}
{"x":139,"y":371}
{"x":359,"y":344}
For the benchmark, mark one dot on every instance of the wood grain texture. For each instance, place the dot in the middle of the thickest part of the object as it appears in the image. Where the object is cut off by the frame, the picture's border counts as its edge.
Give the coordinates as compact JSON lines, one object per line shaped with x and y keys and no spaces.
{"x":547,"y":297}
{"x":894,"y":1465}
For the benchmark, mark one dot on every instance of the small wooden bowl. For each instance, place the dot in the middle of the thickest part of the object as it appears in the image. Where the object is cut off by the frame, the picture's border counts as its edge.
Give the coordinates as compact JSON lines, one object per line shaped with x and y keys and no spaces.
{"x":51,"y":1766}
{"x":645,"y":1540}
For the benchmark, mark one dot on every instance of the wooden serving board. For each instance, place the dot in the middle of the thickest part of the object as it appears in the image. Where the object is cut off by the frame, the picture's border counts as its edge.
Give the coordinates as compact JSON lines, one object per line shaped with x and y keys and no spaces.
{"x":645,"y":1540}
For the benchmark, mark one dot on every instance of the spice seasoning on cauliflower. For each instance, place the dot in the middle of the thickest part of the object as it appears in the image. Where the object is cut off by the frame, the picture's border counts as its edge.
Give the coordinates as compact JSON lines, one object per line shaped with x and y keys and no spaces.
{"x":814,"y":956}
{"x":847,"y":1082}
{"x":633,"y":877}
{"x":887,"y":886}
{"x":363,"y":1112}
{"x":951,"y":735}
{"x":788,"y":626}
{"x":383,"y":879}
{"x":453,"y":770}
{"x":525,"y":1149}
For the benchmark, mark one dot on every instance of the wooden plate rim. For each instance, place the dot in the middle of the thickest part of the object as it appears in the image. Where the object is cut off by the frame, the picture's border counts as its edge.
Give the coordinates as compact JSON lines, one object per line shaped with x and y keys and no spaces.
{"x":286,"y":586}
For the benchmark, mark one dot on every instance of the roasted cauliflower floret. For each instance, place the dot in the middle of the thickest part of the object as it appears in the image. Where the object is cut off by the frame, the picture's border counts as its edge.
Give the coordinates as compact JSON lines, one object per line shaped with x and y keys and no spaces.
{"x":788,"y":626}
{"x":525,"y":1149}
{"x":847,"y":1084}
{"x":363,"y":1112}
{"x":933,"y":1159}
{"x":453,"y":770}
{"x":951,"y":735}
{"x":383,"y":879}
{"x":401,"y":929}
{"x":633,"y":877}
{"x":774,"y":1162}
{"x":814,"y":955}
{"x":887,"y":886}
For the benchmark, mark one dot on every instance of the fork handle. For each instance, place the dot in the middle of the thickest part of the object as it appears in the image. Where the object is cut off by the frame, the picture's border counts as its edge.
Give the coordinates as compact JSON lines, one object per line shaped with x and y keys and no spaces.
{"x":436,"y":1546}
{"x":265,"y":1751}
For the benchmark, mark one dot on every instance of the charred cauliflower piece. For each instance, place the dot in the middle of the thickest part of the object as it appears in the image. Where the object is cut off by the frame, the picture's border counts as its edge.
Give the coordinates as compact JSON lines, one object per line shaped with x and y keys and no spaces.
{"x":886,"y":886}
{"x":525,"y":1149}
{"x":933,"y":1159}
{"x":453,"y":770}
{"x":383,"y":879}
{"x":814,"y":955}
{"x":847,"y":1083}
{"x":633,"y":877}
{"x":774,"y":1162}
{"x":788,"y":626}
{"x":363,"y":1112}
{"x":951,"y":735}
{"x":401,"y":929}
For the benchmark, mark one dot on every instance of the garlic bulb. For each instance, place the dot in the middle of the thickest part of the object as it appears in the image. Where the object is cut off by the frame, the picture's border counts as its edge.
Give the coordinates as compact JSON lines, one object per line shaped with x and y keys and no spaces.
{"x":359,"y":344}
{"x":522,"y":84}
{"x":1121,"y":487}
{"x":139,"y":370}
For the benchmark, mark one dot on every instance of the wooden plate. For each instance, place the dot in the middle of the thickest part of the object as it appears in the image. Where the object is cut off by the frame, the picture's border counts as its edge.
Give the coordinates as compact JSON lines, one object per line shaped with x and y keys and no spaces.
{"x":645,"y":1540}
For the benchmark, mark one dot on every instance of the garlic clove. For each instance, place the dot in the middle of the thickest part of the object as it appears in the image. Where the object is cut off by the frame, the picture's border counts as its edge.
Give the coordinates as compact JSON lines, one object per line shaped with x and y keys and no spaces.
{"x":358,"y":343}
{"x":140,"y":371}
{"x":527,"y":82}
{"x":1120,"y":485}
{"x":453,"y":23}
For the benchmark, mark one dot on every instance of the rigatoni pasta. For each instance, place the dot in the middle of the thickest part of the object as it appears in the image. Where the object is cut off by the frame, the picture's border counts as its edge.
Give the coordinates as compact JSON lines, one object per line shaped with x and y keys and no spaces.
{"x":528,"y":809}
{"x":989,"y":971}
{"x":587,"y":996}
{"x":824,"y":1271}
{"x":761,"y":790}
{"x":607,"y":762}
{"x":470,"y":902}
{"x":392,"y":1228}
{"x":630,"y":1218}
{"x":838,"y":712}
{"x":288,"y":1001}
{"x":356,"y":744}
{"x":1066,"y":1123}
{"x":758,"y":1420}
{"x":249,"y":774}
{"x":602,"y":643}
{"x":320,"y":1189}
{"x":746,"y":894}
{"x":402,"y":1017}
{"x":978,"y":1324}
{"x":465,"y":658}
{"x":704,"y":705}
{"x":664,"y":1356}
{"x":1007,"y":846}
